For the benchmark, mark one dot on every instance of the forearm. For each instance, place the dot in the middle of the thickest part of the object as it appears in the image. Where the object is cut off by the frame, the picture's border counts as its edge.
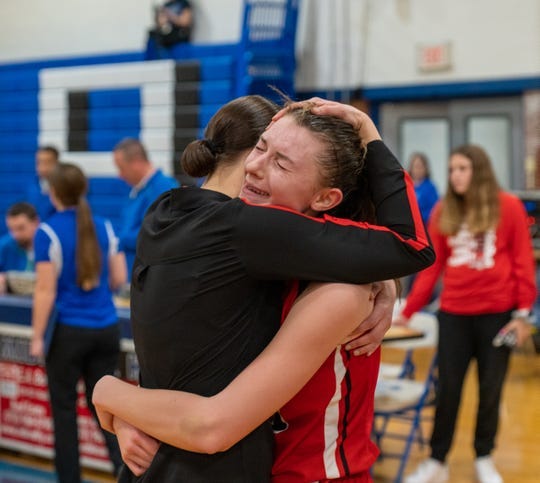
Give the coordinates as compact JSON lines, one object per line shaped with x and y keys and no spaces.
{"x":177,"y":418}
{"x":117,"y":270}
{"x":41,"y":310}
{"x":319,"y":320}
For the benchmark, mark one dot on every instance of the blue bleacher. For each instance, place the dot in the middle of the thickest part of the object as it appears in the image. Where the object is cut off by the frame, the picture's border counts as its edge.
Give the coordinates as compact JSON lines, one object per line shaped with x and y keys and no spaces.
{"x":216,"y":92}
{"x":117,"y":119}
{"x":109,"y":98}
{"x":107,"y":196}
{"x":17,"y":162}
{"x":20,"y":121}
{"x":17,"y":141}
{"x":18,"y":101}
{"x":19,"y":80}
{"x":13,"y":183}
{"x":105,"y":140}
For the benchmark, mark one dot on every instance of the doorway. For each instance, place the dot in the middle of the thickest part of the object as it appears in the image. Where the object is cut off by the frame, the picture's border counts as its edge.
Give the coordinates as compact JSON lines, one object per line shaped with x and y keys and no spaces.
{"x":434,"y":128}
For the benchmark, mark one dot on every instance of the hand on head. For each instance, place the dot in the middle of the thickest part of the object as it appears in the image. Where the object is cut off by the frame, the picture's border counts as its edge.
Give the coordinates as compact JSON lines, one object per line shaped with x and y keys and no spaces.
{"x":360,"y":121}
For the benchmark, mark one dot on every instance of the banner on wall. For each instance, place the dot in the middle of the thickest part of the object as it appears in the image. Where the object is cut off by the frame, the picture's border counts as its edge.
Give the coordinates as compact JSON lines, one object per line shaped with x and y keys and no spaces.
{"x":25,"y":413}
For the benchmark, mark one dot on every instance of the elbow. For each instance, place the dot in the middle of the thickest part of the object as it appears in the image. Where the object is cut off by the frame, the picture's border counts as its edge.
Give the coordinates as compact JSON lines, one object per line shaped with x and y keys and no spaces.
{"x":429,"y":256}
{"x":210,"y":436}
{"x":425,"y":258}
{"x":215,"y":444}
{"x":98,"y":393}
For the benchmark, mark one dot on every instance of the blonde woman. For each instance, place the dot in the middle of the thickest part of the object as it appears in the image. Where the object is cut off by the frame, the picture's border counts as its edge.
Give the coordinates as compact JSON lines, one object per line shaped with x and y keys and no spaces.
{"x":485,"y":256}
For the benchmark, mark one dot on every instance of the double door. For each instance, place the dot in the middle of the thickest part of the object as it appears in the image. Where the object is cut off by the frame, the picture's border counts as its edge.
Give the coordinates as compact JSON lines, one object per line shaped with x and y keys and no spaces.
{"x":435,"y":128}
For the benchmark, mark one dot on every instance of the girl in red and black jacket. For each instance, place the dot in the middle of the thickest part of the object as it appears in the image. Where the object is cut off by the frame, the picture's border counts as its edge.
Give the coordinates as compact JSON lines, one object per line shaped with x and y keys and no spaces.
{"x":484,"y":254}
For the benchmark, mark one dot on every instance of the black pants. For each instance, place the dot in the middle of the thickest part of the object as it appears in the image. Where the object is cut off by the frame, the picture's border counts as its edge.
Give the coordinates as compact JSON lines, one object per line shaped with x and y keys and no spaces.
{"x":78,"y":353}
{"x":462,"y":338}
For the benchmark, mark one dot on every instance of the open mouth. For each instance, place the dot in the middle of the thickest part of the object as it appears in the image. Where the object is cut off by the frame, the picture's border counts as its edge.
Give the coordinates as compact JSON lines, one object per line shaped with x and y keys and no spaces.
{"x":252,"y":189}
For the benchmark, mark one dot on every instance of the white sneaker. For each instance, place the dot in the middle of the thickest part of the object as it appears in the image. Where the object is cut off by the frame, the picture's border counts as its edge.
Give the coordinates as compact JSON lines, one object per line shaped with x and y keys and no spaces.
{"x":486,"y":471}
{"x":429,"y":471}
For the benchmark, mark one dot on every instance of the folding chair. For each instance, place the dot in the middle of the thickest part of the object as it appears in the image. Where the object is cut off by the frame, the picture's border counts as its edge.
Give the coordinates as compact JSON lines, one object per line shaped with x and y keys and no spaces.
{"x":402,"y":398}
{"x":266,"y":51}
{"x":423,"y":321}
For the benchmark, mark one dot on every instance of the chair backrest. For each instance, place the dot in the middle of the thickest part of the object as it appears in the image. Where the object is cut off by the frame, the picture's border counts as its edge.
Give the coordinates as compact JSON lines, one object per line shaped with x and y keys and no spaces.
{"x":266,"y":52}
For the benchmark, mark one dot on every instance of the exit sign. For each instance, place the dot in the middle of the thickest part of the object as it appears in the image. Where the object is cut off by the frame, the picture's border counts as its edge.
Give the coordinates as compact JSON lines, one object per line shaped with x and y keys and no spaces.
{"x":436,"y":57}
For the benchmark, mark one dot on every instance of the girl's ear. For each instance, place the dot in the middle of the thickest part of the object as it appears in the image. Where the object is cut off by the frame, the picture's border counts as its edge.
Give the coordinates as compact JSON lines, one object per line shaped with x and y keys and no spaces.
{"x":326,"y":199}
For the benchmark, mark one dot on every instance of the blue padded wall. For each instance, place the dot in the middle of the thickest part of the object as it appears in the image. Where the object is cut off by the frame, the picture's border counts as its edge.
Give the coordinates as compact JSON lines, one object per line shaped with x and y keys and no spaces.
{"x":19,"y":129}
{"x":204,"y":83}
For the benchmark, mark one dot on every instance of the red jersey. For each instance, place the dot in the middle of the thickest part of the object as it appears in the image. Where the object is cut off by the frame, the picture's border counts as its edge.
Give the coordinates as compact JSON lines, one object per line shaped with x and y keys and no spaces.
{"x":325,"y":430}
{"x":485,"y":274}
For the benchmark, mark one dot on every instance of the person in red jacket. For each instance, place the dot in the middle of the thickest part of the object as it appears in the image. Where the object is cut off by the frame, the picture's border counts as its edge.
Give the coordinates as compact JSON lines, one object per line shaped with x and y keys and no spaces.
{"x":484,"y":253}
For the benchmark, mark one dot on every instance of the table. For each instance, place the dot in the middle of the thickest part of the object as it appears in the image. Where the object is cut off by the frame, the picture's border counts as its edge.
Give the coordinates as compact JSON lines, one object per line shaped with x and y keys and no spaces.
{"x":25,"y":415}
{"x":400,"y":332}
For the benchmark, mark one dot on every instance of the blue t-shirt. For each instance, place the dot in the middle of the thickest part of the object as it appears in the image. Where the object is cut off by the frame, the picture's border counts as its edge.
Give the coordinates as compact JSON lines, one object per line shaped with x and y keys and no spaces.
{"x":427,"y":196}
{"x":133,"y":213}
{"x":55,"y":242}
{"x":13,"y":256}
{"x":40,"y":200}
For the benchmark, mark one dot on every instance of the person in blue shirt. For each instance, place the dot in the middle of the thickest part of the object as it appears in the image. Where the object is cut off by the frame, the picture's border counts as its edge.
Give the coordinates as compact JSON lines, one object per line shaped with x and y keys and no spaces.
{"x":47,"y":158}
{"x":17,"y":246}
{"x":426,"y":192}
{"x":77,"y":267}
{"x":147,"y":184}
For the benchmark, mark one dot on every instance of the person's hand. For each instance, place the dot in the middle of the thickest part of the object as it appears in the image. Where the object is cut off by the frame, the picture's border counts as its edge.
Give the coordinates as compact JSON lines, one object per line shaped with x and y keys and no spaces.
{"x":359,"y":120}
{"x":370,"y":333}
{"x":3,"y":283}
{"x":521,"y":328}
{"x":37,"y":347}
{"x":400,"y":320}
{"x":137,"y":448}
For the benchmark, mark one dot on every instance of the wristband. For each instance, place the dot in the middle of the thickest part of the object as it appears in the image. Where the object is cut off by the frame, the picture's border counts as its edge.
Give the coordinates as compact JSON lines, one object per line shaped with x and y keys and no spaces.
{"x":523,"y":314}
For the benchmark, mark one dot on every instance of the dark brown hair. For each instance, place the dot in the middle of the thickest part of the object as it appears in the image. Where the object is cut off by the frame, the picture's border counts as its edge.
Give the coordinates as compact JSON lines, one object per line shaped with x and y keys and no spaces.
{"x":70,"y":186}
{"x":479,"y":206}
{"x":22,"y":208}
{"x":236,"y":127}
{"x":50,"y":149}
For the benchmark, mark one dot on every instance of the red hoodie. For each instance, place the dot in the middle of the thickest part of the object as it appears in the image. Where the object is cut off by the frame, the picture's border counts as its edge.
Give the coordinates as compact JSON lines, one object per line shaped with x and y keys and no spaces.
{"x":485,"y":274}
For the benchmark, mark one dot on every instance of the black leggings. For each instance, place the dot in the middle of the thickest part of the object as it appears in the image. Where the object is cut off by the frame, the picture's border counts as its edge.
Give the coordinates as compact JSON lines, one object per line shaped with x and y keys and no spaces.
{"x":78,"y":353}
{"x":462,"y":338}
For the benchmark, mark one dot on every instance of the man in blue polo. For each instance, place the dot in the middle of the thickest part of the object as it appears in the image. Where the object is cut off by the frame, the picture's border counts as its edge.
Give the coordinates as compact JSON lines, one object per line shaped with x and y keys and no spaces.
{"x":17,"y":247}
{"x":47,"y":158}
{"x":147,"y":184}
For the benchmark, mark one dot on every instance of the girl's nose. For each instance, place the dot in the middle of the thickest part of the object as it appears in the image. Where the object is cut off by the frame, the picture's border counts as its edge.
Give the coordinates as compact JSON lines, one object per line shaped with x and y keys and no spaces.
{"x":255,"y":164}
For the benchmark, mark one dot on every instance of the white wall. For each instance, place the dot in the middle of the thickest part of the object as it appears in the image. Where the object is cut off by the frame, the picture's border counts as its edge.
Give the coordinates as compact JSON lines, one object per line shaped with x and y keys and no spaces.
{"x":374,"y":42}
{"x":41,"y":29}
{"x":489,"y":39}
{"x":341,"y":43}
